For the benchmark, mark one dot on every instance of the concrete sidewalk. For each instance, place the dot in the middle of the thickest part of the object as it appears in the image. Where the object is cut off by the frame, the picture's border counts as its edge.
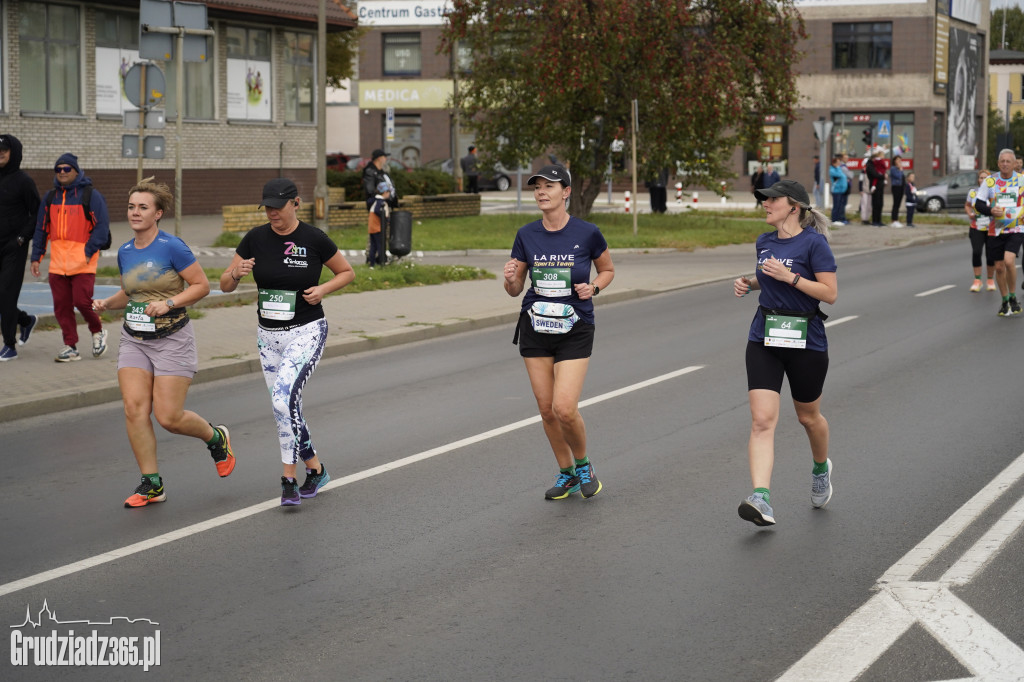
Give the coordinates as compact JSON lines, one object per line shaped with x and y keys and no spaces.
{"x":34,"y":384}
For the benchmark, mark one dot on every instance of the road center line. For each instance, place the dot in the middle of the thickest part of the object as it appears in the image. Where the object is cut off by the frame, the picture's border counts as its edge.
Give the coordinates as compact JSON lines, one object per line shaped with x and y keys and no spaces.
{"x":202,"y":526}
{"x":935,"y":291}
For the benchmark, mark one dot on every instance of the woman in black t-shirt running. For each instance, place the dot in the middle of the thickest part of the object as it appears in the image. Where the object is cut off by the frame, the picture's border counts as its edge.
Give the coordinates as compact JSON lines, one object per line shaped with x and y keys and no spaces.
{"x":286,"y":257}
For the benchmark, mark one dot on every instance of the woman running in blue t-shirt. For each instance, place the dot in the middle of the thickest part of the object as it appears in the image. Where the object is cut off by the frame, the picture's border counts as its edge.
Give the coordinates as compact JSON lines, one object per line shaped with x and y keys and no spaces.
{"x":795,"y":271}
{"x":555,"y":331}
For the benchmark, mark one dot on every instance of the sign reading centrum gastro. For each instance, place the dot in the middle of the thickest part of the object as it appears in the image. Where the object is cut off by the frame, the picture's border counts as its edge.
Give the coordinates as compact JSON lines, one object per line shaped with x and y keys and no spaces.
{"x":401,"y":94}
{"x":403,"y":12}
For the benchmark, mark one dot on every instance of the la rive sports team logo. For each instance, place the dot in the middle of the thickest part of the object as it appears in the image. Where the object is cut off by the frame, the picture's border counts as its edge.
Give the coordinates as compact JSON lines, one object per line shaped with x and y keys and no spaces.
{"x":123,"y":641}
{"x":292,"y":253}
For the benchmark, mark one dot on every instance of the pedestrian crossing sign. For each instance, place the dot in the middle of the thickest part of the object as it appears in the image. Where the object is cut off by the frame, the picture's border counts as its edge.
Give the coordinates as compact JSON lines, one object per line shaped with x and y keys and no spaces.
{"x":883,"y":129}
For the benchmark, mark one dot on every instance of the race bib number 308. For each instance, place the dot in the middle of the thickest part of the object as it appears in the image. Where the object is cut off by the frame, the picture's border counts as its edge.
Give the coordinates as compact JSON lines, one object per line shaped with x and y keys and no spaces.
{"x":552,"y":282}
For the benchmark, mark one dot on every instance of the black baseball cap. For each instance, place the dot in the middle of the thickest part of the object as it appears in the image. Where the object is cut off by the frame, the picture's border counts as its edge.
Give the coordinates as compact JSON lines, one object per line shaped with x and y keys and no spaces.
{"x":786,"y":188}
{"x":555,"y":173}
{"x":377,"y":153}
{"x":278,"y":192}
{"x":5,"y":143}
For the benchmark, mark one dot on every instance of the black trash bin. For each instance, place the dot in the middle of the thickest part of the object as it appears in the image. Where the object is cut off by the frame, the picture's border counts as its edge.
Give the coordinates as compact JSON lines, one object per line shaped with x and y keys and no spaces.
{"x":400,"y":234}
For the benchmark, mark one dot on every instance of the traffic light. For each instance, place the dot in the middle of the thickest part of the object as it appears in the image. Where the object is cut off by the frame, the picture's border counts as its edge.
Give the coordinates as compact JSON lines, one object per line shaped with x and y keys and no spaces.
{"x":867,"y":136}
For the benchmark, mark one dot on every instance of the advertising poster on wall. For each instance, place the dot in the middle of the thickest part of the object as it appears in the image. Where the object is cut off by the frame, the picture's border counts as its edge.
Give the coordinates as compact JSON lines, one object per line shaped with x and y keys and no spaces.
{"x":111,"y":65}
{"x":248,"y":90}
{"x":962,"y":94}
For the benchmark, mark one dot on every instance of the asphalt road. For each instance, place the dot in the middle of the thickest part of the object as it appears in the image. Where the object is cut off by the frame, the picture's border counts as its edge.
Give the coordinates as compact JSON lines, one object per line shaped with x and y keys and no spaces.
{"x":434,"y":557}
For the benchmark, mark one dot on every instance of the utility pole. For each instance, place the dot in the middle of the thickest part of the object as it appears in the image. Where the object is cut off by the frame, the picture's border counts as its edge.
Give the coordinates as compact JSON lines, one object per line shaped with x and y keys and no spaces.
{"x":636,"y":131}
{"x":320,"y":193}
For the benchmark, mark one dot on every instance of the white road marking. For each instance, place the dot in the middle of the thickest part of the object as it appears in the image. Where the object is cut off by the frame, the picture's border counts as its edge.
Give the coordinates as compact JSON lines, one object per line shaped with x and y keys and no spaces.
{"x":849,"y":650}
{"x":935,"y":291}
{"x":196,"y":528}
{"x":832,"y":323}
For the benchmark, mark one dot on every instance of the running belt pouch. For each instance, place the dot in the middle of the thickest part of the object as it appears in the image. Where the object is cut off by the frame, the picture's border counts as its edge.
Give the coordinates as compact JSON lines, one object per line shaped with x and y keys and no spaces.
{"x":552,"y":318}
{"x":794,"y":313}
{"x":176,"y":325}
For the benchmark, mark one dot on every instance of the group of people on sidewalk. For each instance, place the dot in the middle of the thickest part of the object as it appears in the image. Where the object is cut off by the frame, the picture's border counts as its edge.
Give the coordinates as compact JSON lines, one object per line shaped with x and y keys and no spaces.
{"x":72,"y":221}
{"x":877,"y":173}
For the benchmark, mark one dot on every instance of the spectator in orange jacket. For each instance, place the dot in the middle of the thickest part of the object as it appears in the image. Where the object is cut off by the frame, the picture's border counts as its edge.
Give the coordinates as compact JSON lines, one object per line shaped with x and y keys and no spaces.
{"x":75,"y":241}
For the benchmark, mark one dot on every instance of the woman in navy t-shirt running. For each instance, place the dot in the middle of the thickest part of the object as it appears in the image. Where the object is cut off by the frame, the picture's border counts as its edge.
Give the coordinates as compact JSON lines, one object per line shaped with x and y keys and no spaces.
{"x":795,"y":271}
{"x":555,"y":331}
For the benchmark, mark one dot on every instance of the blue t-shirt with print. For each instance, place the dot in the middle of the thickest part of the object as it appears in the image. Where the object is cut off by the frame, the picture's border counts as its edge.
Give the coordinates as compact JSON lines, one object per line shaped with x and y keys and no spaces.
{"x":559,"y":257}
{"x":806,"y":253}
{"x":152,"y":273}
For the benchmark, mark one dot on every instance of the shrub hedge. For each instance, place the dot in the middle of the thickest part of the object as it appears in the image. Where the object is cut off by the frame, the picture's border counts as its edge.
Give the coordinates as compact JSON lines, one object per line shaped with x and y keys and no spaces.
{"x":422,"y":182}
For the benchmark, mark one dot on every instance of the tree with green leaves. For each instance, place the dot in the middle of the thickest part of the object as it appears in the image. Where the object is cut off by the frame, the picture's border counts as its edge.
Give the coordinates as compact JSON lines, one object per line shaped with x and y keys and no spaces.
{"x":1014,"y":18}
{"x":560,"y":78}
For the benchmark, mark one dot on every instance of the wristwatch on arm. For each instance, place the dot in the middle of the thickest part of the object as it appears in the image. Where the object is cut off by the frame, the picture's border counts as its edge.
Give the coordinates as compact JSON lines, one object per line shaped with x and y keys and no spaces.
{"x":170,"y":303}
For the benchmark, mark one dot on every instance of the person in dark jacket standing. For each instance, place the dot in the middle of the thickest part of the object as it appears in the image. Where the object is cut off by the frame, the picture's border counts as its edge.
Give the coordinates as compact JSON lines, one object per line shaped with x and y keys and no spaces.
{"x":896,"y":181}
{"x":19,"y":202}
{"x":875,"y":169}
{"x":373,"y":175}
{"x":471,"y":170}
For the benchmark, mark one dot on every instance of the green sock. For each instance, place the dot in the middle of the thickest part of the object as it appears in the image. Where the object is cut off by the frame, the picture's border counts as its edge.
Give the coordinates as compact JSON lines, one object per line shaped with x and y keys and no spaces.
{"x":569,"y":470}
{"x":764,"y":493}
{"x":583,"y":462}
{"x":820,"y":468}
{"x":977,"y":277}
{"x":1006,"y":298}
{"x":154,"y":479}
{"x":217,"y":438}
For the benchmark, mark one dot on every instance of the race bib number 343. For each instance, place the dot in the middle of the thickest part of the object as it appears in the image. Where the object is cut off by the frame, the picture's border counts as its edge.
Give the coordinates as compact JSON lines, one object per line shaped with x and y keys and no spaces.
{"x":136,"y":318}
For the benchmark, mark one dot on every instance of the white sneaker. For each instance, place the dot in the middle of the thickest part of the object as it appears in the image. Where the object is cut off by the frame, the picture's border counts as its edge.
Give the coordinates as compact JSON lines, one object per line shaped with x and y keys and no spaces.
{"x":896,"y":223}
{"x":99,"y":343}
{"x":67,"y":354}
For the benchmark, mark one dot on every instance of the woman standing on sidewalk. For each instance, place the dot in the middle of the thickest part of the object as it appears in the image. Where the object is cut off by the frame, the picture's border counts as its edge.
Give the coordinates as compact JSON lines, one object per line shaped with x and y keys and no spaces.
{"x":286,"y":256}
{"x":555,"y":331}
{"x":157,"y":356}
{"x":795,"y":270}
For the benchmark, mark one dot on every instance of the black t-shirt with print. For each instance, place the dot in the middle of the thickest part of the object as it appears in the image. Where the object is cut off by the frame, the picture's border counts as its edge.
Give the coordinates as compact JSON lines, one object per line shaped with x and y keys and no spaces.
{"x":288,"y":263}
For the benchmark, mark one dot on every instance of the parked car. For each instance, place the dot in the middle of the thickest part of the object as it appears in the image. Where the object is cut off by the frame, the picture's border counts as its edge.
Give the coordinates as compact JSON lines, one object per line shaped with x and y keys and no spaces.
{"x":337,"y":161}
{"x":358,"y":163}
{"x":497,"y":178}
{"x":950,"y":191}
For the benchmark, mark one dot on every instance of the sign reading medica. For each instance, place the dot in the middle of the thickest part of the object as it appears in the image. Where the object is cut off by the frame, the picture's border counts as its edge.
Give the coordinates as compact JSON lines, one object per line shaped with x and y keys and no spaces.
{"x":403,"y":12}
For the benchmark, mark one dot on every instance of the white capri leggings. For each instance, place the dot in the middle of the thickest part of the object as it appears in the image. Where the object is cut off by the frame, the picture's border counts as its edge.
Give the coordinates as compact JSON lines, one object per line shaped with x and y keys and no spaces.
{"x":289,"y":357}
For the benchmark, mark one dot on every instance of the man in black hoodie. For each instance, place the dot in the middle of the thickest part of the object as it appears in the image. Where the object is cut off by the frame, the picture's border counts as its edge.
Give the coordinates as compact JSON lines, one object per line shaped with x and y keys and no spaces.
{"x":19,"y":203}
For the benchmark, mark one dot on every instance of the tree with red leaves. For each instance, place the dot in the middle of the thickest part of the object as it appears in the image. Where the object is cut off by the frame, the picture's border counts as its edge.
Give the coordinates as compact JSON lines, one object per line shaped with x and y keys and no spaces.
{"x":560,"y":78}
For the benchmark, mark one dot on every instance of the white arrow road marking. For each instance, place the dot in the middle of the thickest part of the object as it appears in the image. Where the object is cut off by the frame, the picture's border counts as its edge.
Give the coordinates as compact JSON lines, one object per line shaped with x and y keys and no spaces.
{"x":860,"y":640}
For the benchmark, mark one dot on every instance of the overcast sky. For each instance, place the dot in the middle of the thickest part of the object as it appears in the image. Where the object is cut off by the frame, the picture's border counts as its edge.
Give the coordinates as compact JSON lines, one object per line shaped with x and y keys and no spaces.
{"x":999,"y":4}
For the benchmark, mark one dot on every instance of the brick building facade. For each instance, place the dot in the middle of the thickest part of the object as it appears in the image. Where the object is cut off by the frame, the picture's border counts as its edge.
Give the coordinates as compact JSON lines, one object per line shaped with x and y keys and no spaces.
{"x":229,"y":147}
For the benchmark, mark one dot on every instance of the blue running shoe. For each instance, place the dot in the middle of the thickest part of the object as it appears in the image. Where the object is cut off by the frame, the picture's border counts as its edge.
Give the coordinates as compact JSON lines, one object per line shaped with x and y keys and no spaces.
{"x":8,"y":353}
{"x":589,"y":485}
{"x":565,"y":485}
{"x":289,"y":493}
{"x":26,"y":330}
{"x":314,"y":482}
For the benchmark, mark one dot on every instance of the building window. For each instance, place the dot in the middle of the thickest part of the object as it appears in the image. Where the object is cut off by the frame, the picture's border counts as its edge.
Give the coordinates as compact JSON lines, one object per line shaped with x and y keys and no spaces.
{"x":402,"y":54}
{"x":298,"y":77}
{"x":249,"y":82}
{"x":199,"y":91}
{"x":50,"y":58}
{"x":117,"y":49}
{"x":862,"y":45}
{"x":773,"y":148}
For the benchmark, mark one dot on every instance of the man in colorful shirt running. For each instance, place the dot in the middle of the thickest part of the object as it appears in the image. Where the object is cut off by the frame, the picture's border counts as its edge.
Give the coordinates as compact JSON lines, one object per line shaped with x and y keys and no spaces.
{"x":1000,"y":197}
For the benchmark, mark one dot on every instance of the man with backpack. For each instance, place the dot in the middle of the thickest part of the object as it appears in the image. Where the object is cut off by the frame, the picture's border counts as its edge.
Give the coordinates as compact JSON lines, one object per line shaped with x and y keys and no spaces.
{"x":73,"y":217}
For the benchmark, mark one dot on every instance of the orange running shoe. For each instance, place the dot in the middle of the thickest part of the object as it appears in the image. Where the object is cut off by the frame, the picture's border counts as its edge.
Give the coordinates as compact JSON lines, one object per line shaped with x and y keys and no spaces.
{"x":976,"y":287}
{"x":146,"y":493}
{"x":222,"y":454}
{"x":990,"y":285}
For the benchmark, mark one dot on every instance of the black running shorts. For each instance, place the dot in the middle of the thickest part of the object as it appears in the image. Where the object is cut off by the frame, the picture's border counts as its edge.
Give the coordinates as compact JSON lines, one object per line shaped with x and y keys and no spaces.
{"x":806,"y":370}
{"x":577,"y":344}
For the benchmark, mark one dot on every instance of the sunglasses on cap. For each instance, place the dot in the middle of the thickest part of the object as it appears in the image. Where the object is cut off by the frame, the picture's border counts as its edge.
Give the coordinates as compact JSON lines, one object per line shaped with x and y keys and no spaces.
{"x":64,"y":169}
